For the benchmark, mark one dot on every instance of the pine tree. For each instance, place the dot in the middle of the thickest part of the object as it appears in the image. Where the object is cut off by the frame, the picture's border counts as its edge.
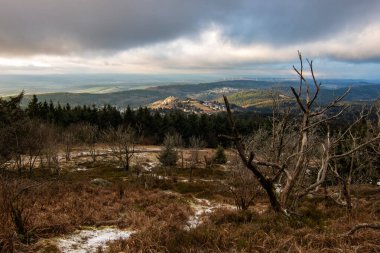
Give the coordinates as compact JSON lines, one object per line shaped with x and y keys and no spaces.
{"x":220,"y":156}
{"x":168,"y":156}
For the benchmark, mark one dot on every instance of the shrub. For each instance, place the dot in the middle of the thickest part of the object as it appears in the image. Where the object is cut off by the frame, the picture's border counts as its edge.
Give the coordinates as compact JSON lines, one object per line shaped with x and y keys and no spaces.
{"x":168,"y":156}
{"x":220,"y":156}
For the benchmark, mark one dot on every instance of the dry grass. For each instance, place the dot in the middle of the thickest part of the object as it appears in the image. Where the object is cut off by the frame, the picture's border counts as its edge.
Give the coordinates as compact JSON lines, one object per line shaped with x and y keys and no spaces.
{"x":317,"y":229}
{"x":60,"y":207}
{"x":53,"y":207}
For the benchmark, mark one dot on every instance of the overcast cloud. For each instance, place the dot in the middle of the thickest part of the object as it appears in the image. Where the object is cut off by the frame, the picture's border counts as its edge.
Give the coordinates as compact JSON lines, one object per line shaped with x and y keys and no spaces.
{"x":183,"y":36}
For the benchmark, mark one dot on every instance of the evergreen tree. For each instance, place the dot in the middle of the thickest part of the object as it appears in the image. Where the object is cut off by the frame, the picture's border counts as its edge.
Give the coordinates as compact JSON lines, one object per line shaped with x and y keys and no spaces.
{"x":168,"y":156}
{"x":33,"y":107}
{"x":220,"y":156}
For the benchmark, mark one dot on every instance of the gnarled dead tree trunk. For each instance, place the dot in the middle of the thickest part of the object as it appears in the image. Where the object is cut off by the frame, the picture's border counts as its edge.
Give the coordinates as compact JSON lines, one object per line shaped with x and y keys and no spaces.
{"x":289,"y":166}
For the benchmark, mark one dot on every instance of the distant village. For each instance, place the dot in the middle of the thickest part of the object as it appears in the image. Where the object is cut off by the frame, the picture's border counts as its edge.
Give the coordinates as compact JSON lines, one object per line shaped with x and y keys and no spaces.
{"x":191,"y":106}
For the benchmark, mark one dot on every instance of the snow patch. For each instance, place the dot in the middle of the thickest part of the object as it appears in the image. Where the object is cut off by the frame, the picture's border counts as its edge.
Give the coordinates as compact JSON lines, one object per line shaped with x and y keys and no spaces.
{"x":148,"y":166}
{"x":81,"y":169}
{"x":202,"y":208}
{"x":88,"y":241}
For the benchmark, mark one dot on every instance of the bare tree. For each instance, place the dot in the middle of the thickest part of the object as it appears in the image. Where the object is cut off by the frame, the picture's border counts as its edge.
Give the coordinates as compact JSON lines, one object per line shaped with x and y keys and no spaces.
{"x":290,"y":168}
{"x":29,"y":141}
{"x":178,"y":144}
{"x":195,"y":144}
{"x":50,"y":149}
{"x":354,"y":155}
{"x":242,"y":184}
{"x":88,"y":134}
{"x":68,"y":140}
{"x":122,"y":141}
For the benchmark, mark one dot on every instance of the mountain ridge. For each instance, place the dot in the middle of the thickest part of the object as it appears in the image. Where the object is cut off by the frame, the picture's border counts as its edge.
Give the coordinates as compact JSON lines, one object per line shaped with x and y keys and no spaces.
{"x":361,"y":91}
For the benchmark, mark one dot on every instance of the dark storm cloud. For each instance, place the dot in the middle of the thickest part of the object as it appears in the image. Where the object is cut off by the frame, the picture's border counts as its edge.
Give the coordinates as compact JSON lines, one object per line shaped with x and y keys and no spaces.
{"x":72,"y":26}
{"x":300,"y":21}
{"x":56,"y":26}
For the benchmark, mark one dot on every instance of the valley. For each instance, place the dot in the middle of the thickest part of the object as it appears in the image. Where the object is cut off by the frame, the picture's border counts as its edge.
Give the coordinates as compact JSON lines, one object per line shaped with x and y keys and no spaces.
{"x":244,"y":94}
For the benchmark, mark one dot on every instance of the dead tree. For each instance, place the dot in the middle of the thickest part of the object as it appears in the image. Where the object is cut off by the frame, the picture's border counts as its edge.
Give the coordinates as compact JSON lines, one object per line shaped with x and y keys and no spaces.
{"x":248,"y":161}
{"x":243,"y":186}
{"x":354,"y":148}
{"x":329,"y":158}
{"x":88,"y":134}
{"x":28,"y":141}
{"x":50,"y":149}
{"x":68,"y":140}
{"x":195,"y":144}
{"x":122,"y":141}
{"x":178,"y":142}
{"x":289,"y":168}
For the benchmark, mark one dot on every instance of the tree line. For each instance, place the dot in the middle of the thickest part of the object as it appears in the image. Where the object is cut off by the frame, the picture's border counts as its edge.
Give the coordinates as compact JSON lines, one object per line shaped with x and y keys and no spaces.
{"x":36,"y":134}
{"x":153,"y":125}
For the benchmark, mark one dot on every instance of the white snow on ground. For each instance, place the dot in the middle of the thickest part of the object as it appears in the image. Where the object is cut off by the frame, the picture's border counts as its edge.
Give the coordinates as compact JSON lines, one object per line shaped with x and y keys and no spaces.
{"x":88,"y":241}
{"x":148,"y":166}
{"x":202,"y":208}
{"x":185,"y":180}
{"x":81,"y":169}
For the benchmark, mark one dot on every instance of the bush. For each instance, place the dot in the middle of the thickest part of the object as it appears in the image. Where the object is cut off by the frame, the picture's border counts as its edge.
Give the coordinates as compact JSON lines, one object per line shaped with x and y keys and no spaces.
{"x":220,"y":156}
{"x":169,"y":156}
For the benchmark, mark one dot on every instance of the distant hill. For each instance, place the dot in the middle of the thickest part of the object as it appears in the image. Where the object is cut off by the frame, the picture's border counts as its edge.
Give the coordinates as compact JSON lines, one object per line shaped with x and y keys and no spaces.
{"x":244,"y":93}
{"x":144,"y":97}
{"x":167,"y":103}
{"x":256,"y":98}
{"x":133,"y":98}
{"x":189,"y":105}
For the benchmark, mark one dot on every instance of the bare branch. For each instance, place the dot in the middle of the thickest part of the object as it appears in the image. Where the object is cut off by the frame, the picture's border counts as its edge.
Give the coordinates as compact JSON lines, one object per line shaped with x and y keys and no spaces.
{"x":300,"y":73}
{"x":362,"y":226}
{"x":267,"y":164}
{"x":298,"y":99}
{"x":357,"y":148}
{"x":358,"y":120}
{"x":332,"y":104}
{"x":317,"y":86}
{"x":327,"y":119}
{"x":248,"y":162}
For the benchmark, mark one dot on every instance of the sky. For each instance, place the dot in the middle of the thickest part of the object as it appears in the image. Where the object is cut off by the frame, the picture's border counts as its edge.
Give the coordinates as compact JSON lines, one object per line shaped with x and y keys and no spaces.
{"x":216,"y":37}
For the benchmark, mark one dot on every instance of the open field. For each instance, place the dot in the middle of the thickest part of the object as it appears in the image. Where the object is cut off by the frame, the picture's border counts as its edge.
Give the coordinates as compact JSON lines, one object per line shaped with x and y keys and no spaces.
{"x":155,"y":209}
